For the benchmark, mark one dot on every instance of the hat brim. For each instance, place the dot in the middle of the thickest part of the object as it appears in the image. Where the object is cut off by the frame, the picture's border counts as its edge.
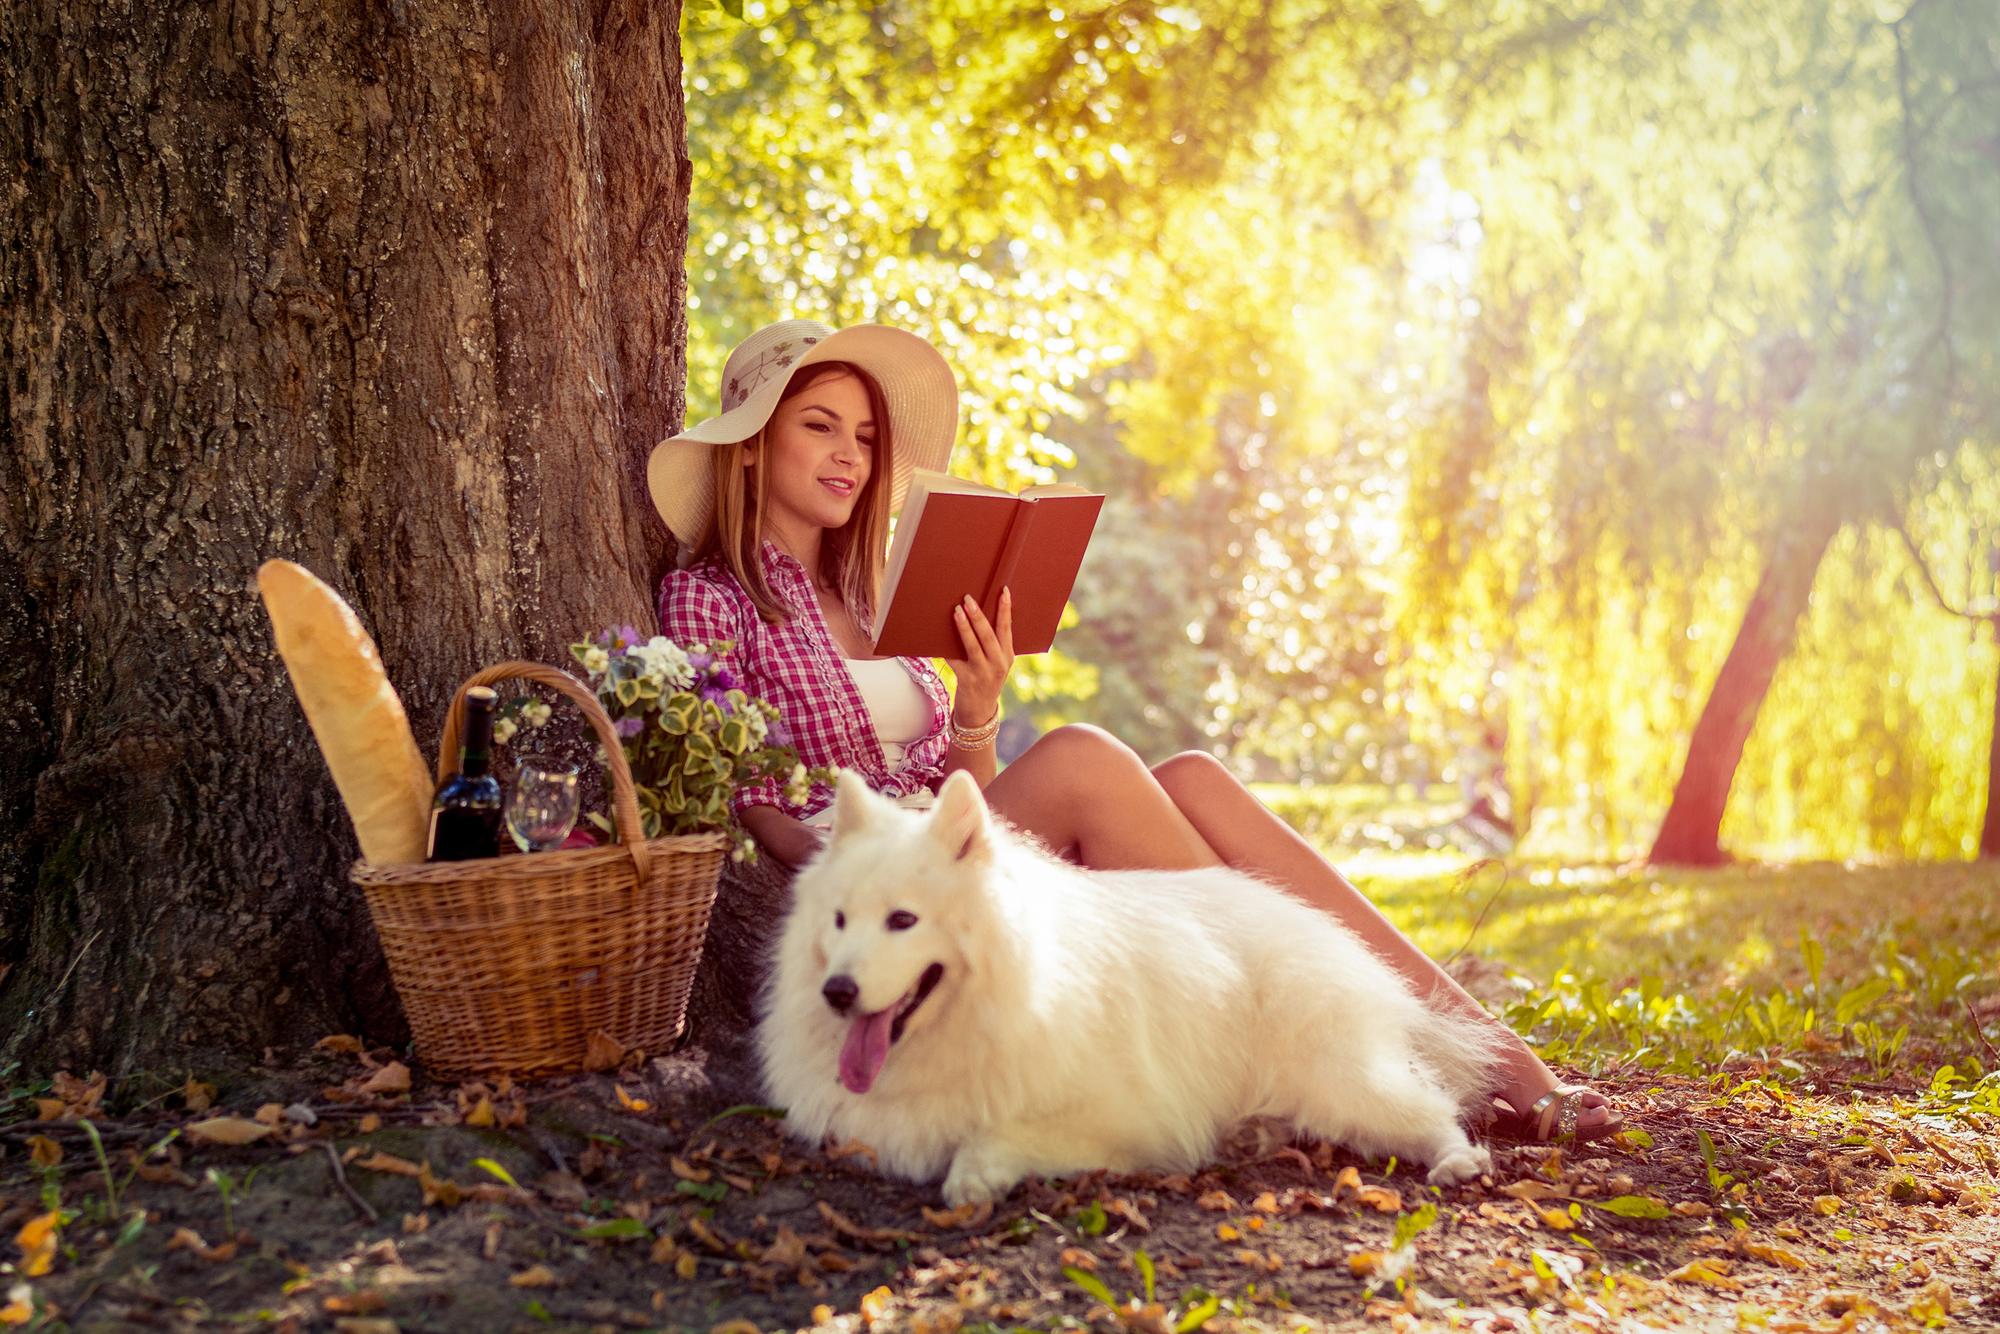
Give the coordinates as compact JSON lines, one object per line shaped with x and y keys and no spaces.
{"x":918,"y":389}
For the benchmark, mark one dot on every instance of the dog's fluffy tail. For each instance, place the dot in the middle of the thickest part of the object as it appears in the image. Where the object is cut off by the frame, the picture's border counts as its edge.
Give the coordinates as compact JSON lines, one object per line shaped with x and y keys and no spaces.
{"x":1467,"y":1053}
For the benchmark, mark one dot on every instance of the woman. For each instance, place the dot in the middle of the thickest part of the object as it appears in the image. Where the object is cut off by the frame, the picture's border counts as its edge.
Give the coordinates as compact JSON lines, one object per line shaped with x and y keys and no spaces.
{"x":782,"y":504}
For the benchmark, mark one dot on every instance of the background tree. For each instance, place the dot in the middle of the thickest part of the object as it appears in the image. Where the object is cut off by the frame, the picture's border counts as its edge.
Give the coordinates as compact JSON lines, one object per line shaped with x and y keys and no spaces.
{"x":396,"y":293}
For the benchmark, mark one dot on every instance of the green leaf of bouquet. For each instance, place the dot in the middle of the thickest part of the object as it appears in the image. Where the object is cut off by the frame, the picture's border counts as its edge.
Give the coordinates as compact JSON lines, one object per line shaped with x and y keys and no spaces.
{"x":735,"y":736}
{"x":627,"y":691}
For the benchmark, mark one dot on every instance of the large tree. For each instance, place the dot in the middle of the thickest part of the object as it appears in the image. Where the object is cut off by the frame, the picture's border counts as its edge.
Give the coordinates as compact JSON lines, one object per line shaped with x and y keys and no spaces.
{"x":396,"y":292}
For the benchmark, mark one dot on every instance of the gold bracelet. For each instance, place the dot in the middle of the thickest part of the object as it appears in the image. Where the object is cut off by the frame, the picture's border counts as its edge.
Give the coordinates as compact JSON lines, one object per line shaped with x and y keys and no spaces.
{"x":975,"y":738}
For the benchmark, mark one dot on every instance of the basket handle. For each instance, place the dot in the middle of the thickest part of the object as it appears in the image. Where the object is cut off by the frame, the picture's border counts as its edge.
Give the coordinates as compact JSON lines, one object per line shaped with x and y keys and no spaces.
{"x":624,"y":801}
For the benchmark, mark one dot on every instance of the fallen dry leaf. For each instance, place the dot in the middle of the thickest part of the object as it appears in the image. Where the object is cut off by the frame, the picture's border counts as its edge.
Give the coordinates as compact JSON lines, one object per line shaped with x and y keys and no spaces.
{"x":269,"y":1114}
{"x":1708,"y":1273}
{"x":874,"y":1304}
{"x":481,"y":1116}
{"x":80,"y":1097}
{"x":854,"y":1148}
{"x":389,"y":1162}
{"x":198,"y":1096}
{"x":441,"y":1191}
{"x":630,"y":1103}
{"x":369,"y":1124}
{"x":187,"y":1239}
{"x":1267,"y":1203}
{"x":43,"y":1151}
{"x":535,"y":1276}
{"x":687,"y":1171}
{"x":232,"y":1130}
{"x":1531,"y":1190}
{"x":37,"y":1240}
{"x":391,"y":1078}
{"x":339,"y":1042}
{"x":1776,"y":1255}
{"x":966,"y":1215}
{"x":366,"y":1302}
{"x":1219,"y":1201}
{"x":603,"y":1052}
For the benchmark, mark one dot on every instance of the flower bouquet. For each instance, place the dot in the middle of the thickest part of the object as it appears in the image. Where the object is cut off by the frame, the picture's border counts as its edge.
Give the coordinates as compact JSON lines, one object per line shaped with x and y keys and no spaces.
{"x":691,"y":733}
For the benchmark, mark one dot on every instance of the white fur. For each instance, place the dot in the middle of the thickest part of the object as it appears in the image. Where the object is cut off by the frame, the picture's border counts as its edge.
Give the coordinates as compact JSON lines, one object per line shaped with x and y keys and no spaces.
{"x":1092,"y":1019}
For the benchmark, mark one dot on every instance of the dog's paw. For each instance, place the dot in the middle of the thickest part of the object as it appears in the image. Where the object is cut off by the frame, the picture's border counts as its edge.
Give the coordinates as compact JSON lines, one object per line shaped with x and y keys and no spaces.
{"x":979,"y":1175}
{"x":1460,"y":1164}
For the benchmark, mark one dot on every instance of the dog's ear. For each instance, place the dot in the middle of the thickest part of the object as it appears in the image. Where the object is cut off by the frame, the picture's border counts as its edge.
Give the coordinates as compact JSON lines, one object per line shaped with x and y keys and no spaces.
{"x":960,"y":819}
{"x":853,"y":803}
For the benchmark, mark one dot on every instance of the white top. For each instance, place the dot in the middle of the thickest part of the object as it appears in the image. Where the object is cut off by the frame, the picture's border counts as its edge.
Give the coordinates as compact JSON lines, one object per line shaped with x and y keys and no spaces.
{"x":898,"y":706}
{"x":901,"y":712}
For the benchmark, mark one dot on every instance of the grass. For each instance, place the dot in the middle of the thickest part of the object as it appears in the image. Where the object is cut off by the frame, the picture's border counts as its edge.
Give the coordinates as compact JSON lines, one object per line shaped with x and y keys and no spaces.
{"x":1774,"y":970}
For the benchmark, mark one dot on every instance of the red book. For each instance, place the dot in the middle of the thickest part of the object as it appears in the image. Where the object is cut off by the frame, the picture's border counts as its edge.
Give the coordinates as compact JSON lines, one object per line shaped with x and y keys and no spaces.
{"x":956,"y":539}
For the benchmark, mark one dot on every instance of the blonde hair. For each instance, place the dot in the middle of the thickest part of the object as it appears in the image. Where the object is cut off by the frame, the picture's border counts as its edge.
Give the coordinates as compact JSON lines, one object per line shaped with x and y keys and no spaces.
{"x":850,"y":557}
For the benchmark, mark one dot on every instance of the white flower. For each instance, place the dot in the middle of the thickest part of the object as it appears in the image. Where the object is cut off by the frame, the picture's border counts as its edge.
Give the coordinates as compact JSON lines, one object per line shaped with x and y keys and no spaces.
{"x":663,"y":660}
{"x":503,"y":731}
{"x":798,"y":787}
{"x":596,"y":661}
{"x":536,"y":712}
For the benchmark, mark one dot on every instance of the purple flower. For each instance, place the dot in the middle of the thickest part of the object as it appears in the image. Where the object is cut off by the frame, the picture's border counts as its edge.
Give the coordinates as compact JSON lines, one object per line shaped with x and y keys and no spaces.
{"x":727,"y":679}
{"x":777,"y":734}
{"x":699,"y":659}
{"x":629,"y":727}
{"x":627,"y":636}
{"x":716,"y":696}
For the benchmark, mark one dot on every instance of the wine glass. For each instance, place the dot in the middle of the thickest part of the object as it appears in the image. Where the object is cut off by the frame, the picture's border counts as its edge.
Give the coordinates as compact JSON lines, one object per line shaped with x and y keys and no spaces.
{"x":541,"y":803}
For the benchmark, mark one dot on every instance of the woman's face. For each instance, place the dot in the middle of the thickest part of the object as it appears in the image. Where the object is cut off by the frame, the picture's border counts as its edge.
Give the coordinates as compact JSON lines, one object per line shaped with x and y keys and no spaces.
{"x":820,"y":448}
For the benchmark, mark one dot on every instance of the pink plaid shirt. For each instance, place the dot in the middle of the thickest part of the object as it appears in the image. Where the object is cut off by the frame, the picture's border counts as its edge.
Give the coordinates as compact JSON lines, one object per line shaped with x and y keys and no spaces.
{"x":798,"y":667}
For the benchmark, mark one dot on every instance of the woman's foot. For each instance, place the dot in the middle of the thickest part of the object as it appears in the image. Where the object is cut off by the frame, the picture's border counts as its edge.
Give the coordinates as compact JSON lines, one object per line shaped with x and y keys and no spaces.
{"x":1564,"y":1114}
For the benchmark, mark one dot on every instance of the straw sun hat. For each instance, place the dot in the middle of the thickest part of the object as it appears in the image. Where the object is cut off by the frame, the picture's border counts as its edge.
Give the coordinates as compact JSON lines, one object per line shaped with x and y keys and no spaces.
{"x":917,"y":386}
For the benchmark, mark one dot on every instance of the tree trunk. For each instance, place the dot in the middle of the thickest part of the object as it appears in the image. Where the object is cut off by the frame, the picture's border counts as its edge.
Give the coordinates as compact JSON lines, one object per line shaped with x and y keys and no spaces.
{"x":1691,"y":833}
{"x":395,"y":291}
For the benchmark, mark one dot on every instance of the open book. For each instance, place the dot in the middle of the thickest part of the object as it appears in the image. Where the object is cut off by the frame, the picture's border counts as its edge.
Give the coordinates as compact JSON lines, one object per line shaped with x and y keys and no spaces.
{"x":957,"y":538}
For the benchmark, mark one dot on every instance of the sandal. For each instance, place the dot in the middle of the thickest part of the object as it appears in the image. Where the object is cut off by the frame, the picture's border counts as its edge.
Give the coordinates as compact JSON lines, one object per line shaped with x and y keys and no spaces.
{"x":1552,"y":1119}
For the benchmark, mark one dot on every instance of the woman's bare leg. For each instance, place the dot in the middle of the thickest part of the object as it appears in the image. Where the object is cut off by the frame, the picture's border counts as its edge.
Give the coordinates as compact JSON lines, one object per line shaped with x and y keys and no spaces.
{"x":1246,"y":834}
{"x":1089,"y":797}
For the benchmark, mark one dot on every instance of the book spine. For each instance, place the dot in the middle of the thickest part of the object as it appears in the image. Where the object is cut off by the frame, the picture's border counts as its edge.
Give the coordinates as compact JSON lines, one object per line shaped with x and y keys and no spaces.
{"x":1010,"y":558}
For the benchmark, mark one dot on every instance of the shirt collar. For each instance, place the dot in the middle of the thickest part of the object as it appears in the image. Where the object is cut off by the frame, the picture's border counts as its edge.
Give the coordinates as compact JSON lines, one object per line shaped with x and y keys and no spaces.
{"x":777,"y":559}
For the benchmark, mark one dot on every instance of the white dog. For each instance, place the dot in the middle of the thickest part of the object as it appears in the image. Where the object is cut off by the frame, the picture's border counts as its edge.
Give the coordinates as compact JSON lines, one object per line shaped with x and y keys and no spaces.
{"x":969,"y":1006}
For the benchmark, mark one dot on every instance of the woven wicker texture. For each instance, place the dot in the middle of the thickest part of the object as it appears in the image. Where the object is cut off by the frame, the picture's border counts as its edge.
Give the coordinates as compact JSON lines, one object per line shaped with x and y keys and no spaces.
{"x":509,"y":965}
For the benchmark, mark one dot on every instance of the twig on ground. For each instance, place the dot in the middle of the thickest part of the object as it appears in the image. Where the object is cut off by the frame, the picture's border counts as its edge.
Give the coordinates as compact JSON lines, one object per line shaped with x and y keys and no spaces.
{"x":340,"y":1179}
{"x":1465,"y":881}
{"x":1979,"y":1031}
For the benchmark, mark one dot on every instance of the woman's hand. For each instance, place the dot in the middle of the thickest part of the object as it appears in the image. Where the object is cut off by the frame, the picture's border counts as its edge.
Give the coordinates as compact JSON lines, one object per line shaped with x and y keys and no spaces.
{"x":989,"y":656}
{"x":787,"y":841}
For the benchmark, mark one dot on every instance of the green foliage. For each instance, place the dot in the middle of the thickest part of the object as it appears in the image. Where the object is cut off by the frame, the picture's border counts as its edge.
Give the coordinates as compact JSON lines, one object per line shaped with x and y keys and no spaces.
{"x":1451,"y":368}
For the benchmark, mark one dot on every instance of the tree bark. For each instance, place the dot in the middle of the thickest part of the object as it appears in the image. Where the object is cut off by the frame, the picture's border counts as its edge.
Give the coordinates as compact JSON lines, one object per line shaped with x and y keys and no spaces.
{"x":1691,"y":833}
{"x":395,"y":291}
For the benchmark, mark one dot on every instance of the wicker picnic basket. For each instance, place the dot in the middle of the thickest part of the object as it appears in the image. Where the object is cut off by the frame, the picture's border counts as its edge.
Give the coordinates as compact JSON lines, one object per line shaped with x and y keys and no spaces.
{"x":513,"y":964}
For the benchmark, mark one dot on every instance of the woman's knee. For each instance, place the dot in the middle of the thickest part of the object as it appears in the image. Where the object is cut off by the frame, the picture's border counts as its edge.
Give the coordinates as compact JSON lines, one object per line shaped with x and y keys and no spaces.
{"x":1080,"y":745}
{"x":1193,"y":771}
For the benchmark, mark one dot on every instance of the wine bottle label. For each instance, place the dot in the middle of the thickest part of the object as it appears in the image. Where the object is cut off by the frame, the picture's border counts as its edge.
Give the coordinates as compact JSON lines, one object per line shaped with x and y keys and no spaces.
{"x":431,"y":836}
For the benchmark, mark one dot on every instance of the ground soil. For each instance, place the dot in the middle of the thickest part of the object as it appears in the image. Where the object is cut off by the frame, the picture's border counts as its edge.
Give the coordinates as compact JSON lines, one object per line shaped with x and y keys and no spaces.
{"x":1826,"y":1208}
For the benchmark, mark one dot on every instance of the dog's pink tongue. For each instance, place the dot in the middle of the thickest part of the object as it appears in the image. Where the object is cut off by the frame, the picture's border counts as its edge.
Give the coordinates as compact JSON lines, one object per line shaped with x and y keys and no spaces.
{"x":867,"y":1047}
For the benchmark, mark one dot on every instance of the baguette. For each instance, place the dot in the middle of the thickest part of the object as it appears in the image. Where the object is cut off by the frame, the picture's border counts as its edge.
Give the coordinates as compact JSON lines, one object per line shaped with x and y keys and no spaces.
{"x":354,"y":712}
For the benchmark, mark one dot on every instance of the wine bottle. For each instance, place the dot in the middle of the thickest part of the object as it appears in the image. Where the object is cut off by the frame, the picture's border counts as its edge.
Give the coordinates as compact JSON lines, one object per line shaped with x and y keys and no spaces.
{"x":466,"y":813}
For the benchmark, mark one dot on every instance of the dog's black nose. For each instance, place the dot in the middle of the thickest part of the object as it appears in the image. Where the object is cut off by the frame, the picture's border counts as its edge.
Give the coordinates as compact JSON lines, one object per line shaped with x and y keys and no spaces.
{"x":841,"y":992}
